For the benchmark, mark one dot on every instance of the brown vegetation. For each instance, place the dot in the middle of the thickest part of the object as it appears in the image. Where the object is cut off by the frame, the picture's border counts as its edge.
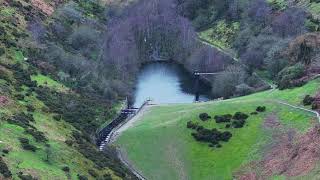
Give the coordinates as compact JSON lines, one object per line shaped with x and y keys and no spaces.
{"x":293,"y":159}
{"x":43,"y":6}
{"x":4,"y":101}
{"x":304,"y":48}
{"x":292,"y":155}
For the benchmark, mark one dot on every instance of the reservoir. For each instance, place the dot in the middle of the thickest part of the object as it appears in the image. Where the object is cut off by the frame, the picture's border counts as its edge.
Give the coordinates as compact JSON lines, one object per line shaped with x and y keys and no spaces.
{"x":166,"y":83}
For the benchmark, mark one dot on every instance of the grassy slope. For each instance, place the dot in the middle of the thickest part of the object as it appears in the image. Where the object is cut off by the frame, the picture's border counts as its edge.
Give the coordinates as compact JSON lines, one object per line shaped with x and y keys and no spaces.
{"x":57,"y":132}
{"x":162,"y":147}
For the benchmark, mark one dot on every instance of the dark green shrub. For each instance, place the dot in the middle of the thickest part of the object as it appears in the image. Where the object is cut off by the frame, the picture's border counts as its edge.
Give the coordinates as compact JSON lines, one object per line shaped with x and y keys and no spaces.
{"x":25,"y":177}
{"x":223,"y":118}
{"x":261,"y":109}
{"x":37,"y":135}
{"x":2,"y":51}
{"x":26,"y":146}
{"x":212,"y":136}
{"x":5,"y":151}
{"x":66,"y":169}
{"x":254,"y":113}
{"x":19,"y":97}
{"x":93,"y":173}
{"x":22,"y":120}
{"x":192,"y":125}
{"x":238,"y":123}
{"x":4,"y":170}
{"x":57,"y":117}
{"x":82,"y":177}
{"x":308,"y":100}
{"x":204,"y":116}
{"x":30,"y":108}
{"x":240,"y":116}
{"x":106,"y":177}
{"x":69,"y":142}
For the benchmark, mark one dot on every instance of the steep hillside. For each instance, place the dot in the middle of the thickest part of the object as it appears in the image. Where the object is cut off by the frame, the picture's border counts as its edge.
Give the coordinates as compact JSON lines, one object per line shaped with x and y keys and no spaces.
{"x":47,"y":126}
{"x":262,"y":34}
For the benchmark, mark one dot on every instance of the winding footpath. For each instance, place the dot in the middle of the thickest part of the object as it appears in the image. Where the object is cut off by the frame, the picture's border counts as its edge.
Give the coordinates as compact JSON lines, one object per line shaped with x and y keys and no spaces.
{"x":301,"y":108}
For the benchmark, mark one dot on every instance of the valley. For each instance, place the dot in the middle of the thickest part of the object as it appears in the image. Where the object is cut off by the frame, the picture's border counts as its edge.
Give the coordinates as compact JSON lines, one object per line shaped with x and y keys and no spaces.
{"x":70,"y":69}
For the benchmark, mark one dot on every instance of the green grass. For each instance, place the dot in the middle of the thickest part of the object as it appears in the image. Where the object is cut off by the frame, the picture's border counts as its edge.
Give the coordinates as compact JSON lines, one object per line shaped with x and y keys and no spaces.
{"x":6,"y":11}
{"x":161,"y":147}
{"x":47,"y":81}
{"x":57,"y":132}
{"x":206,"y":35}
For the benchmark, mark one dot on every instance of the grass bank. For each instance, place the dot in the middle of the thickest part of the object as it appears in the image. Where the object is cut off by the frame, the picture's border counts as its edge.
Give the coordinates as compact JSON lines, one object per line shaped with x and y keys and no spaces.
{"x":161,"y":147}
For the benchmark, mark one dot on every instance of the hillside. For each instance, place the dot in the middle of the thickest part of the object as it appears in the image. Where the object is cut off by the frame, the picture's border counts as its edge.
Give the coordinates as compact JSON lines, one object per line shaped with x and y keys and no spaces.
{"x":273,"y":144}
{"x":47,"y":126}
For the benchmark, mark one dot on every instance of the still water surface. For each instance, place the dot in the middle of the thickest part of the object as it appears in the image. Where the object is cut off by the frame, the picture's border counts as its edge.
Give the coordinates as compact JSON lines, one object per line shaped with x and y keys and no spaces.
{"x":167,"y":83}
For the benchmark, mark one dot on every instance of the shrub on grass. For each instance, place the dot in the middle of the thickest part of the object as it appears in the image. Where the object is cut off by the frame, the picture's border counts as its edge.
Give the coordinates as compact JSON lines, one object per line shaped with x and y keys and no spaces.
{"x":204,"y":116}
{"x":223,"y":118}
{"x":82,"y":177}
{"x":192,"y":125}
{"x":254,"y":113}
{"x":240,"y":116}
{"x":26,"y":146}
{"x":238,"y":123}
{"x":261,"y":109}
{"x":66,"y":169}
{"x":4,"y":170}
{"x":2,"y":51}
{"x":57,"y":117}
{"x":69,"y":142}
{"x":19,"y":97}
{"x":212,"y":136}
{"x":5,"y":151}
{"x":23,"y":117}
{"x":30,"y":108}
{"x":37,"y":135}
{"x":93,"y":173}
{"x":25,"y":177}
{"x":225,"y":136}
{"x":308,"y":100}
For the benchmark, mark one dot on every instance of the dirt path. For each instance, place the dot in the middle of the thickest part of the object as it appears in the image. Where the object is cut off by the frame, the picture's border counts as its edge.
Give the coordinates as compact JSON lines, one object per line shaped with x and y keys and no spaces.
{"x":301,"y":108}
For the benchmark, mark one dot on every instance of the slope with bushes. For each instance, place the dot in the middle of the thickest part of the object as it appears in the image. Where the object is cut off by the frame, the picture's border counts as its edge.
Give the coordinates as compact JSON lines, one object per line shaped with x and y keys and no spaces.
{"x":47,"y":124}
{"x":160,"y":144}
